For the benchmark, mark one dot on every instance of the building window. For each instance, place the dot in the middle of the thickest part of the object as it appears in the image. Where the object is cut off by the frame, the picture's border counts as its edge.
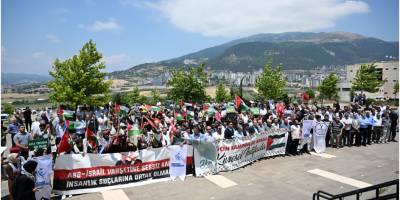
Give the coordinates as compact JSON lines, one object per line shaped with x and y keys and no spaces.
{"x":394,"y":68}
{"x":351,"y":70}
{"x":345,"y":89}
{"x":394,"y":80}
{"x":387,"y":69}
{"x":379,"y":73}
{"x":385,"y":92}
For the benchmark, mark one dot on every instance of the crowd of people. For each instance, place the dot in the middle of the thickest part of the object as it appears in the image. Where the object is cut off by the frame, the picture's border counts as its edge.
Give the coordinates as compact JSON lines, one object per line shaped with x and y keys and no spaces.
{"x":121,"y":128}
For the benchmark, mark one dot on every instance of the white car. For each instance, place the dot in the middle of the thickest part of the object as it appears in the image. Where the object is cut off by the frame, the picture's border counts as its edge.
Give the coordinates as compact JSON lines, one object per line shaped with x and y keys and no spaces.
{"x":4,"y":117}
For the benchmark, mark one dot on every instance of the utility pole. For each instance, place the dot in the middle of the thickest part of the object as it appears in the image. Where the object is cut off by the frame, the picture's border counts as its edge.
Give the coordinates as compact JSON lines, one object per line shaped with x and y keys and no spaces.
{"x":241,"y":86}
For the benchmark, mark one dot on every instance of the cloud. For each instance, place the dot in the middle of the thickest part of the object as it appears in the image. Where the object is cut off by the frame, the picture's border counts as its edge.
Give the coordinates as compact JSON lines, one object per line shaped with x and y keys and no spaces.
{"x":107,"y":25}
{"x":41,"y":57}
{"x":53,"y":38}
{"x":116,"y":59}
{"x":136,"y":3}
{"x":239,"y":18}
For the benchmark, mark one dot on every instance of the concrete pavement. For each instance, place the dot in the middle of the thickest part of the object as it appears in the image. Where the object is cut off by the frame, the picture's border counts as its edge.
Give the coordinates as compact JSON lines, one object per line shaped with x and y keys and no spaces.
{"x":278,"y":178}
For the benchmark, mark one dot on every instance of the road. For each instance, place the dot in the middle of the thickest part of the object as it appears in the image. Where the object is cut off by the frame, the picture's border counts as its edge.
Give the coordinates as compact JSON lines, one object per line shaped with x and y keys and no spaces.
{"x":276,"y":178}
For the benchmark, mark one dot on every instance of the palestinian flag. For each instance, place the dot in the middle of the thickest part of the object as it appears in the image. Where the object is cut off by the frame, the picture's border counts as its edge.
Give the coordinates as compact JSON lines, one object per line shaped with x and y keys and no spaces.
{"x":155,"y":108}
{"x":68,"y":114}
{"x":76,"y":125}
{"x":133,"y":130}
{"x":91,"y":138}
{"x":240,"y":104}
{"x":178,"y":116}
{"x":66,"y":143}
{"x":189,"y":110}
{"x":123,"y":111}
{"x":208,"y":109}
{"x":276,"y":142}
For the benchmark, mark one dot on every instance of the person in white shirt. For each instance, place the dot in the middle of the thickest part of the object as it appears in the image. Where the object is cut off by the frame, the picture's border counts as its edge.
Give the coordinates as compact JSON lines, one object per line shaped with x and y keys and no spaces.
{"x":102,"y":121}
{"x":208,"y":134}
{"x":165,"y":140}
{"x":377,"y":128}
{"x":275,"y":124}
{"x":346,"y":134}
{"x":245,"y":117}
{"x":219,"y":134}
{"x":295,"y":130}
{"x":263,"y":111}
{"x":35,"y":130}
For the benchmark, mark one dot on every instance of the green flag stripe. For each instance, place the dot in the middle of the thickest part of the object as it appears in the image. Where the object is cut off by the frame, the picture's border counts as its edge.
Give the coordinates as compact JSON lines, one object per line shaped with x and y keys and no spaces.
{"x":279,"y":145}
{"x":277,"y":136}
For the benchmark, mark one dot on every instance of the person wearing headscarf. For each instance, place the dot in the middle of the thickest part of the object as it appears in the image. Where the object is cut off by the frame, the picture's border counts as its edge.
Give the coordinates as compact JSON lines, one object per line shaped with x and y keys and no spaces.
{"x":12,"y":169}
{"x":24,"y":186}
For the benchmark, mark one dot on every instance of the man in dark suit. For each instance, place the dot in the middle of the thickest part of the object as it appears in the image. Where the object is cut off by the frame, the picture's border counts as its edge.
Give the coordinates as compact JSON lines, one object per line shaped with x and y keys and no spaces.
{"x":229,"y":131}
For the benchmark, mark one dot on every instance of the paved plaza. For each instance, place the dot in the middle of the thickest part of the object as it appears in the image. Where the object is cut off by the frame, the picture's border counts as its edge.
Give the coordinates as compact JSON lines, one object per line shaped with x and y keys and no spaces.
{"x":294,"y":177}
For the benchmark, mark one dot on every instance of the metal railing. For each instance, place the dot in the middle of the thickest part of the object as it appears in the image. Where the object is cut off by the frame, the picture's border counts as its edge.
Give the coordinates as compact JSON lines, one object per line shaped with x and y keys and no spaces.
{"x":357,"y":193}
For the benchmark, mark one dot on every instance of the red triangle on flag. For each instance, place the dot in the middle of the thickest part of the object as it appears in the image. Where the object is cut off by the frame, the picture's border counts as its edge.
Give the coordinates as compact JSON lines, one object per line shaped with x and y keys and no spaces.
{"x":65,"y":143}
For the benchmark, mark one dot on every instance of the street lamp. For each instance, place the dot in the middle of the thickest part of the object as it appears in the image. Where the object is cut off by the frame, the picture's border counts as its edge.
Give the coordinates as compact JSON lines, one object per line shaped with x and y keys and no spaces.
{"x":241,"y":85}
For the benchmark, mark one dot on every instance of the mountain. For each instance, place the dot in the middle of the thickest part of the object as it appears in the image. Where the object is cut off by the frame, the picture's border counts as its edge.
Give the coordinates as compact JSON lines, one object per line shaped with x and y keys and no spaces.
{"x":14,"y":78}
{"x":294,"y":50}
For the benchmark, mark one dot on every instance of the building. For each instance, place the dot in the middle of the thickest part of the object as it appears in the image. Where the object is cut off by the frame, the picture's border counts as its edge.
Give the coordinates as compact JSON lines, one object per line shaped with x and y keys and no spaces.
{"x":386,"y":70}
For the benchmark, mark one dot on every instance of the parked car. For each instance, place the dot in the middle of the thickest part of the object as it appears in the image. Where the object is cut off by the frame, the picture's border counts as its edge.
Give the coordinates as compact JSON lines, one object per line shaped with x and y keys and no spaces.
{"x":4,"y":117}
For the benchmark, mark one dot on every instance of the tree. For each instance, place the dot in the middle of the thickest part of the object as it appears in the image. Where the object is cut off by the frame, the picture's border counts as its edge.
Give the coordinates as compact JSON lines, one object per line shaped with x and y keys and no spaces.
{"x":8,"y":108}
{"x":135,"y":97}
{"x":155,"y":96}
{"x":327,"y":88}
{"x":221,"y":95}
{"x":117,"y":98}
{"x":310,"y":93}
{"x":233,"y":91}
{"x":271,"y":83}
{"x":79,"y":79}
{"x":396,"y":89}
{"x":188,"y":85}
{"x":367,"y":79}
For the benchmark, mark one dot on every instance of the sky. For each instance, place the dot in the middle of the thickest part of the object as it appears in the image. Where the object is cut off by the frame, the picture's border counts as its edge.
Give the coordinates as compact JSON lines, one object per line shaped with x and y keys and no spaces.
{"x":132,"y":32}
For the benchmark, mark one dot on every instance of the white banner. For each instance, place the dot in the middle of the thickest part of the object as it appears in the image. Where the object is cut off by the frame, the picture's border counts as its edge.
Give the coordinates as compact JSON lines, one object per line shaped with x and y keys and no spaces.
{"x":307,"y":126}
{"x":44,"y":171}
{"x":306,"y":134}
{"x":235,"y":153}
{"x":177,"y":164}
{"x":320,"y":130}
{"x":205,"y":158}
{"x":76,"y":174}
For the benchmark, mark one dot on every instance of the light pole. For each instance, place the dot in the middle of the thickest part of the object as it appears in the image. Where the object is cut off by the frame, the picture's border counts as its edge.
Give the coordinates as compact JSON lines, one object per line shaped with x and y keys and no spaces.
{"x":241,"y":86}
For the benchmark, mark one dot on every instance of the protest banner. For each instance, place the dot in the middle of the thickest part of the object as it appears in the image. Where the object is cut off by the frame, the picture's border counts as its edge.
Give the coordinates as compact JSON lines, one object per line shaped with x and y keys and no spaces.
{"x":225,"y":155}
{"x":321,"y":129}
{"x":77,"y":174}
{"x":277,"y":141}
{"x":177,"y":164}
{"x":235,"y":153}
{"x":307,"y":126}
{"x":43,"y":176}
{"x":306,"y":134}
{"x":205,"y":158}
{"x":38,"y":144}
